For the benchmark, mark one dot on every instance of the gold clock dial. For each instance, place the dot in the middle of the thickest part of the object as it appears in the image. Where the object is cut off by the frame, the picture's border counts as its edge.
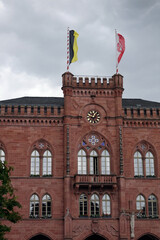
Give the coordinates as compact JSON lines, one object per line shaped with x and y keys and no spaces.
{"x":93,"y":116}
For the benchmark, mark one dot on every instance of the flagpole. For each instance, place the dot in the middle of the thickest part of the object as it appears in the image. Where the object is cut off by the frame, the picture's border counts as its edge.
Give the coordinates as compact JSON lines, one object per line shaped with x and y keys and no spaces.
{"x":68,"y":49}
{"x":116,"y":52}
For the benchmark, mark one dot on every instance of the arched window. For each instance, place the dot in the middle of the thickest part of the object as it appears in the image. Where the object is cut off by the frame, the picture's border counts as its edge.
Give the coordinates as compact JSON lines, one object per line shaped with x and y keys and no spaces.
{"x":149,"y":164}
{"x":138,"y":164}
{"x":93,"y":162}
{"x":34,"y":206}
{"x":2,"y":156}
{"x":46,"y":206}
{"x":141,"y":205}
{"x":105,"y":162}
{"x":106,"y":205}
{"x":47,"y":163}
{"x":35,"y":163}
{"x":82,"y":162}
{"x":94,"y":205}
{"x":83,"y":205}
{"x":152,"y":206}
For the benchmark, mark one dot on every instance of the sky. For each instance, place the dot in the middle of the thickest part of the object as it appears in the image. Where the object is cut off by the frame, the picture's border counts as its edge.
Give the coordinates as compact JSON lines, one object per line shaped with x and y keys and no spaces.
{"x":33,"y":42}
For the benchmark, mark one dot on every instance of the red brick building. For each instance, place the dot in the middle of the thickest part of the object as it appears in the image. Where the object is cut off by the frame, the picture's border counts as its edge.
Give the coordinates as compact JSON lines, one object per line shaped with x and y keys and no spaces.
{"x":86,"y":166}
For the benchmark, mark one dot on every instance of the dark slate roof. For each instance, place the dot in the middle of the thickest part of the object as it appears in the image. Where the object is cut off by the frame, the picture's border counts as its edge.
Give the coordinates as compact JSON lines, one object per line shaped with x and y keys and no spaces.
{"x":59,"y":101}
{"x":35,"y":101}
{"x":139,"y":103}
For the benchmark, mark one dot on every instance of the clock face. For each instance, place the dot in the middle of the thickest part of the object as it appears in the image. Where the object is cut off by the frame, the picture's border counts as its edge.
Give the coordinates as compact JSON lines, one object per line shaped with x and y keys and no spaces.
{"x":93,"y":116}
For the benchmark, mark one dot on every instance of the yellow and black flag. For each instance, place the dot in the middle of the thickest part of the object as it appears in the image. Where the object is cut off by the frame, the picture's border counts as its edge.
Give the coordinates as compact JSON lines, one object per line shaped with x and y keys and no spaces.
{"x":73,"y":47}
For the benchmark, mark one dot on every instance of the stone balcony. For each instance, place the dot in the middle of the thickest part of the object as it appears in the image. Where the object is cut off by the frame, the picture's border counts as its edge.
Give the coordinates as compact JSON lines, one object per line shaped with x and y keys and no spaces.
{"x":101,"y":181}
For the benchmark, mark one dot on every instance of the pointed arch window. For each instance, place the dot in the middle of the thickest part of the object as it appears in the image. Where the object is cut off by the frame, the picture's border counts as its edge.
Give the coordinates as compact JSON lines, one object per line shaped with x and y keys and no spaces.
{"x":82,"y":162}
{"x":105,"y":162}
{"x":2,"y":156}
{"x":106,"y":205}
{"x":35,"y":163}
{"x":141,"y":205}
{"x":83,"y":205}
{"x":149,"y":162}
{"x":152,"y":206}
{"x":47,"y":163}
{"x":46,"y":206}
{"x":138,"y":164}
{"x":34,"y":206}
{"x":94,"y":162}
{"x":94,"y":205}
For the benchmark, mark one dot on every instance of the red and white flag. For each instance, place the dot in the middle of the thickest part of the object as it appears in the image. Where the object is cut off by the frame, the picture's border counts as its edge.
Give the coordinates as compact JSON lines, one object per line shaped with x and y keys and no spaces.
{"x":120,"y":48}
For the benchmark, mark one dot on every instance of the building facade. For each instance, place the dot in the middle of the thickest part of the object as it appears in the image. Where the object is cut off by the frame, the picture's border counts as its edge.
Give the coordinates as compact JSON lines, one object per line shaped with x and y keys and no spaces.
{"x":86,"y":166}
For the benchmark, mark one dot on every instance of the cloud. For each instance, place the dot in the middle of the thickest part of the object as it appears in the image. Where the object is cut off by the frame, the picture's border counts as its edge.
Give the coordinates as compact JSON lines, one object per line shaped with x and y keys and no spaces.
{"x":33,"y":44}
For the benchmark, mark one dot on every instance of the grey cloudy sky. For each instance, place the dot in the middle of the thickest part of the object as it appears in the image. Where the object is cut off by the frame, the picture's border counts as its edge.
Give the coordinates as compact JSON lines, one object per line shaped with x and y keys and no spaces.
{"x":33,"y":35}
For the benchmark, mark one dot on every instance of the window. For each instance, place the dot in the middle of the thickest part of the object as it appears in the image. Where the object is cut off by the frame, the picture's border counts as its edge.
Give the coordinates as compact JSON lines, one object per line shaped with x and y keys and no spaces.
{"x":149,"y":164}
{"x":35,"y":163}
{"x":93,"y":162}
{"x":34,"y":206}
{"x":94,"y":205}
{"x":47,"y":163}
{"x":105,"y":162}
{"x":82,"y":162}
{"x":144,"y":163}
{"x":141,"y":206}
{"x":83,"y":208}
{"x":138,"y":164}
{"x":2,"y":156}
{"x":106,"y":205}
{"x":46,"y":206}
{"x":94,"y":156}
{"x":152,"y":206}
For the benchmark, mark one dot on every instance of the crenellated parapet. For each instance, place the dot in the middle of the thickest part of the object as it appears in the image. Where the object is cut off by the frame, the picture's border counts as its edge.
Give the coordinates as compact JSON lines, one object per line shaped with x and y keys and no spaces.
{"x":31,"y":111}
{"x":141,"y":113}
{"x":106,"y":85}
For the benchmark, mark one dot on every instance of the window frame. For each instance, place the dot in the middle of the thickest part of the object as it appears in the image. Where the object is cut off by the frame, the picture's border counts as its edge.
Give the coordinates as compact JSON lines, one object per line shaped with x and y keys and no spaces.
{"x":94,"y":211}
{"x":83,"y":202}
{"x":34,"y":201}
{"x":48,"y":213}
{"x":106,"y":205}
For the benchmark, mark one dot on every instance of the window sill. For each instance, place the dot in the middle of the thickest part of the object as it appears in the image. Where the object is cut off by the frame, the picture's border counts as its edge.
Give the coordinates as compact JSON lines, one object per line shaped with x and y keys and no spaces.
{"x":83,"y":216}
{"x":34,"y":217}
{"x":95,"y":216}
{"x":34,"y":175}
{"x":106,"y":216}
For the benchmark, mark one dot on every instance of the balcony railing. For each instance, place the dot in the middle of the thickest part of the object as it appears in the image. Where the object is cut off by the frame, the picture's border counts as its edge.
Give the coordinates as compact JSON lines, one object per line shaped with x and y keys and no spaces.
{"x":95,"y":180}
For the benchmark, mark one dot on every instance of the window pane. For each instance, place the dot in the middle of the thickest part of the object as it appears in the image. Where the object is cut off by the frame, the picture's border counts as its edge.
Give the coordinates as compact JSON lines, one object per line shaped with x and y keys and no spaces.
{"x":47,"y":163}
{"x":34,"y":206}
{"x":82,"y":162}
{"x":138,"y":164}
{"x":94,"y":205}
{"x":149,"y":164}
{"x":83,"y":205}
{"x":46,"y":206}
{"x":105,"y":162}
{"x":106,"y":208}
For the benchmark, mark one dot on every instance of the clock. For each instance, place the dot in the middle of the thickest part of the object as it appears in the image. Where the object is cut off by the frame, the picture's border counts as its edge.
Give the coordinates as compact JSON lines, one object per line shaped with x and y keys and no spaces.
{"x":93,"y":116}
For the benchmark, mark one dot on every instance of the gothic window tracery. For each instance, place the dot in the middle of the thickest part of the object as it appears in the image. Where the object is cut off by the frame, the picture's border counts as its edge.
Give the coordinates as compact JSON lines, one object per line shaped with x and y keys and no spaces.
{"x":94,"y":156}
{"x":144,"y":161}
{"x":41,"y":160}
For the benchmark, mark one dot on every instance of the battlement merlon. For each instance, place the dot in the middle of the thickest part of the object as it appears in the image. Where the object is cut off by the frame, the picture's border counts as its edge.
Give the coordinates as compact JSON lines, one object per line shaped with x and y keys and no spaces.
{"x":71,"y":81}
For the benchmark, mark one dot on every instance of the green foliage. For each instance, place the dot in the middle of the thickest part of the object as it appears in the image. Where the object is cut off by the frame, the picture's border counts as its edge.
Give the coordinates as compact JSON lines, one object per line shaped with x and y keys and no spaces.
{"x":8,"y":200}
